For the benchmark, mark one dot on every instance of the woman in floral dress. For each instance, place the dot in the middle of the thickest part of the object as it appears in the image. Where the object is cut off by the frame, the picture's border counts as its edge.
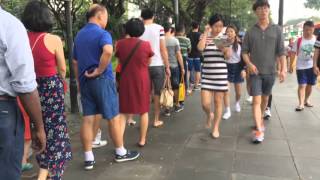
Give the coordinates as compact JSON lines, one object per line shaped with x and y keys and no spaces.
{"x":50,"y":71}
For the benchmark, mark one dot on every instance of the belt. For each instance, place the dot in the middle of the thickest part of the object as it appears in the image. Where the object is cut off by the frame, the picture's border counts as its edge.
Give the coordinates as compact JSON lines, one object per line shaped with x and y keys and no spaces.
{"x":6,"y":98}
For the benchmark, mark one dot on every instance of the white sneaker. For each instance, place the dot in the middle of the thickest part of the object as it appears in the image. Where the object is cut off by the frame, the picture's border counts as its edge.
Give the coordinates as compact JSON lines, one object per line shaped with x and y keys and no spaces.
{"x":226,"y":115}
{"x":249,"y":99}
{"x":98,"y":136}
{"x":98,"y":144}
{"x":267,"y":113}
{"x":237,"y":107}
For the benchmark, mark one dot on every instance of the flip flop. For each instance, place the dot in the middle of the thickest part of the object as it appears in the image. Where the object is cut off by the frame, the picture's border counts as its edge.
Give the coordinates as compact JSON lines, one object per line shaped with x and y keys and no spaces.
{"x":213,"y":137}
{"x":158,"y":124}
{"x":26,"y":167}
{"x":140,"y":145}
{"x":298,"y":109}
{"x":308,"y":104}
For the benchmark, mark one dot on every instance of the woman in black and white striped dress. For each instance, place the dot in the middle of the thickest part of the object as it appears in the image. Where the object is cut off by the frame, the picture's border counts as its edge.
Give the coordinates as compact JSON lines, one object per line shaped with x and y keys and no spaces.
{"x":214,"y":73}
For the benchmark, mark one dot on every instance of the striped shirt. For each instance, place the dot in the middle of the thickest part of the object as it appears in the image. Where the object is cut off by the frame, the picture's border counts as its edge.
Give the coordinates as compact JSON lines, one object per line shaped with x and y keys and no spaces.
{"x":214,"y":71}
{"x":185,"y":45}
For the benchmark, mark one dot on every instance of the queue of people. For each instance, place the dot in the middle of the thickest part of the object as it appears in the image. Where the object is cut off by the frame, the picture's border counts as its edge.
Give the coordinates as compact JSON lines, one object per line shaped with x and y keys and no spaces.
{"x":33,"y":68}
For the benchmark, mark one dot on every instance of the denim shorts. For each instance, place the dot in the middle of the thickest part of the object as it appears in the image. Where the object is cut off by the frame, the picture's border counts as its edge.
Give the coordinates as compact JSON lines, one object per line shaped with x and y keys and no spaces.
{"x":175,"y":77}
{"x":261,"y":84}
{"x":234,"y":73}
{"x":157,"y":77}
{"x":306,"y":76}
{"x":11,"y":140}
{"x":194,"y":63}
{"x":99,"y":96}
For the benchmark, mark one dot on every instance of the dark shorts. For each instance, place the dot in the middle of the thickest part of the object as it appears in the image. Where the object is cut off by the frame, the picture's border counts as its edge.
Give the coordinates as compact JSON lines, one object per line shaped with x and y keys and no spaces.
{"x":306,"y":76}
{"x":261,"y":84}
{"x":11,"y":140}
{"x":175,"y":78}
{"x":194,"y":63}
{"x":234,"y":73}
{"x":99,"y":96}
{"x":157,"y":76}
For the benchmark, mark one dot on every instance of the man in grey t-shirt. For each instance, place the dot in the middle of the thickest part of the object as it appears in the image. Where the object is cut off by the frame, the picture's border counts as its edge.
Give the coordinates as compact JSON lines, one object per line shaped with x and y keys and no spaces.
{"x":263,"y":45}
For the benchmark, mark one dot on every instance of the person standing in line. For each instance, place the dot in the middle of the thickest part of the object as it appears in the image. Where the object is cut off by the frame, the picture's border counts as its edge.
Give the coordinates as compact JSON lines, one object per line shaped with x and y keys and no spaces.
{"x":176,"y":64}
{"x":93,"y":69}
{"x":304,"y":49}
{"x":134,"y":56}
{"x":185,"y":45}
{"x":17,"y":78}
{"x":159,"y":67}
{"x":26,"y":166}
{"x":214,"y":80}
{"x":263,"y":45}
{"x":235,"y":71}
{"x":194,"y":59}
{"x":50,"y":68}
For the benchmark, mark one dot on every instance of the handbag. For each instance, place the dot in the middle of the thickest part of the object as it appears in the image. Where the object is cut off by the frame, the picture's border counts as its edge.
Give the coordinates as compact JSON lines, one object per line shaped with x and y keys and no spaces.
{"x":182,"y":90}
{"x":166,"y":97}
{"x":126,"y":62}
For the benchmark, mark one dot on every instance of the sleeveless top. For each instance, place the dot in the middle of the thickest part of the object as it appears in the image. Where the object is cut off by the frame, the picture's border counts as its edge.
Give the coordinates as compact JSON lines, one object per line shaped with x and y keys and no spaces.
{"x":44,"y":61}
{"x":214,"y":69}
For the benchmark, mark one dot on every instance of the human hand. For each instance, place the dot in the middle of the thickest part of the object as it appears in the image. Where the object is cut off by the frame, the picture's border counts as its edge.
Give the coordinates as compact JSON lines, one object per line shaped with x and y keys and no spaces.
{"x":93,"y":74}
{"x":316,"y":70}
{"x":282,"y":76}
{"x":207,"y":29}
{"x":39,"y":140}
{"x":168,"y":72}
{"x":253,"y":69}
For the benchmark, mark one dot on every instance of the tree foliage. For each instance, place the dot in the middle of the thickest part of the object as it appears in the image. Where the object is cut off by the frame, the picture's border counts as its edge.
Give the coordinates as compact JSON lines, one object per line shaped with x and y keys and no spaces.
{"x":313,"y":4}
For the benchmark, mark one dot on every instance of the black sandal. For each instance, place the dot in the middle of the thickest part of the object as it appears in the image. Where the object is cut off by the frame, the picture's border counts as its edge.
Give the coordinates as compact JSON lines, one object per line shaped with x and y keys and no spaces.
{"x":299,"y":108}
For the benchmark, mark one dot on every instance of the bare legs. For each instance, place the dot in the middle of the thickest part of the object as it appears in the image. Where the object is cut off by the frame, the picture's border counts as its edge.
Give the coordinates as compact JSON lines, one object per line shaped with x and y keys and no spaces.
{"x":144,"y":123}
{"x":206,"y":98}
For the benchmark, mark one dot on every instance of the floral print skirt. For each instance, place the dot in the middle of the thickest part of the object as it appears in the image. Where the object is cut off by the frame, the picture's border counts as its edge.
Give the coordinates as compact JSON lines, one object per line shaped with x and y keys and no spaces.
{"x":58,"y":149}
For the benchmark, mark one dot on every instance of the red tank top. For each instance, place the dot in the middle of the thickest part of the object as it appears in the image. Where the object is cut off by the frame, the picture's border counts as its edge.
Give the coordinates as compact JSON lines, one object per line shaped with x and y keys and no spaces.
{"x":44,"y":61}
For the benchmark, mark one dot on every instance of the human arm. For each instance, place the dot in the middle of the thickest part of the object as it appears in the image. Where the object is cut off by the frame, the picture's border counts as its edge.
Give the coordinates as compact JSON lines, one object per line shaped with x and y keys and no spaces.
{"x":252,"y":69}
{"x":31,"y":103}
{"x":316,"y":56}
{"x":282,"y":56}
{"x":60,"y":59}
{"x":203,"y":39}
{"x":164,"y":55}
{"x":107,"y":49}
{"x":19,"y":61}
{"x":180,"y":61}
{"x":315,"y":61}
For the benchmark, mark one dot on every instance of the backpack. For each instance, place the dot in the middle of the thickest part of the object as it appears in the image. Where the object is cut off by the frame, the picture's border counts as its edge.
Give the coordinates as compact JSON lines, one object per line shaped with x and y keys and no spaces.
{"x":299,"y":45}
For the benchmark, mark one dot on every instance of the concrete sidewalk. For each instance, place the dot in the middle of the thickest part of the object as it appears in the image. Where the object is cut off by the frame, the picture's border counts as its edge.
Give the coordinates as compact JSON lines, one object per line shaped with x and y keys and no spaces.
{"x":182,"y":149}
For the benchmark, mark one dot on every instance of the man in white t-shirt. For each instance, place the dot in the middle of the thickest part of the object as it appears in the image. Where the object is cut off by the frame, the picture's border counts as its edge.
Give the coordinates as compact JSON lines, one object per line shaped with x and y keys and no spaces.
{"x":154,"y":34}
{"x":304,"y":49}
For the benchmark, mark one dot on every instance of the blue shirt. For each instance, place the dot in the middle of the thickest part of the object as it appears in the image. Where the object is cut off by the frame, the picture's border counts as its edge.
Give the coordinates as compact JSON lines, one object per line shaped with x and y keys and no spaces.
{"x":87,"y":50}
{"x":16,"y":62}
